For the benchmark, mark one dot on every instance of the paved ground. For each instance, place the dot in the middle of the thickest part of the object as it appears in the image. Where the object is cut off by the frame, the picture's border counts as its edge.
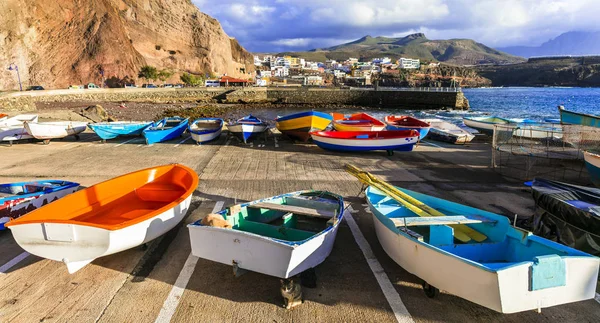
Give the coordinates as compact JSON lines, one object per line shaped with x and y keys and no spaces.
{"x":132,"y":286}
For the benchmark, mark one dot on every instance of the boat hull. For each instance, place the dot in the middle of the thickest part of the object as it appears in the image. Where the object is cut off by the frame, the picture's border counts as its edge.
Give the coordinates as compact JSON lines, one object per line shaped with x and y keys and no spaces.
{"x":484,"y":126}
{"x":359,"y":122}
{"x":356,"y":144}
{"x":17,"y":206}
{"x":111,"y":130}
{"x":12,"y":129}
{"x":205,"y":135}
{"x":346,"y":127}
{"x":299,"y":125}
{"x":247,"y":131}
{"x":506,"y":289}
{"x":423,"y":131}
{"x":575,"y":118}
{"x":592,"y":163}
{"x":78,"y":245}
{"x":55,"y":130}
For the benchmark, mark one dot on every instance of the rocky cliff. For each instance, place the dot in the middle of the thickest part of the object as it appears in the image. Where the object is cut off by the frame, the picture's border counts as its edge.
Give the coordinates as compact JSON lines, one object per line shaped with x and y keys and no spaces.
{"x":61,"y":42}
{"x":438,"y":76}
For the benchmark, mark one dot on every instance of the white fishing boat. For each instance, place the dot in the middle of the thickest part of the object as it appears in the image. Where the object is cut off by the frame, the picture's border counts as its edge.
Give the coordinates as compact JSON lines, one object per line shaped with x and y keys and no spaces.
{"x":448,"y":132}
{"x":485,"y":124}
{"x":55,"y":130}
{"x":108,"y":217}
{"x":281,"y":236}
{"x":248,"y":127}
{"x":205,"y":129}
{"x":12,"y":129}
{"x":538,"y":130}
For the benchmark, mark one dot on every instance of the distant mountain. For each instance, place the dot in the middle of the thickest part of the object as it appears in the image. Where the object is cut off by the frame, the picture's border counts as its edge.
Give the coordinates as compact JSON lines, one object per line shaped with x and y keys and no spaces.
{"x":569,"y":43}
{"x":452,"y":51}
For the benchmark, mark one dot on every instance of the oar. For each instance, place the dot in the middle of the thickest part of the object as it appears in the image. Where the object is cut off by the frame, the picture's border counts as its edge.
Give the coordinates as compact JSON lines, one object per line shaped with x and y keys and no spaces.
{"x":460,"y":231}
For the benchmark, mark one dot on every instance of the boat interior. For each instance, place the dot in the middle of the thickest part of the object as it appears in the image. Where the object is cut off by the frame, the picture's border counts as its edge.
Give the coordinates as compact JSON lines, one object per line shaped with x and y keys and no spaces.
{"x":119,"y":202}
{"x":167,"y":124}
{"x":503,"y":246}
{"x":290,"y":218}
{"x":206,"y":124}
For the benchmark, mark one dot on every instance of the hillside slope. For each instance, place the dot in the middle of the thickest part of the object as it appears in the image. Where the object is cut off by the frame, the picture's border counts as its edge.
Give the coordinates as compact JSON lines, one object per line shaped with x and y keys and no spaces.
{"x":452,"y":51}
{"x":62,"y":42}
{"x":569,"y":43}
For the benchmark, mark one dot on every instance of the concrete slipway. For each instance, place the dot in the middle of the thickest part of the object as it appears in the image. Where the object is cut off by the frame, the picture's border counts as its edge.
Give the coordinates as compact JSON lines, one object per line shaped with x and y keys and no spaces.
{"x":163,"y":282}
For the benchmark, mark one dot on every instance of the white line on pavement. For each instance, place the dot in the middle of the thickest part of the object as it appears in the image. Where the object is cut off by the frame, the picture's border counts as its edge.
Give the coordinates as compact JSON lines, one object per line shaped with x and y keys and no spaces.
{"x":172,"y":301}
{"x":126,"y":142}
{"x":388,"y":289}
{"x":13,"y":262}
{"x":184,"y":140}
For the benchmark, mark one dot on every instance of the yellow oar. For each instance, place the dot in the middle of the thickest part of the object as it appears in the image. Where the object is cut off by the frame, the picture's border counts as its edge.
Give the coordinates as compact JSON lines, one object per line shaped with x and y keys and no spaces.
{"x":461,"y":232}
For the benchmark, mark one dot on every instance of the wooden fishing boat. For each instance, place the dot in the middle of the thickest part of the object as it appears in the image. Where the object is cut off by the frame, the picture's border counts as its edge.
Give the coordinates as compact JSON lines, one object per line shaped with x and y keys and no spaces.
{"x":16,"y":199}
{"x":510,"y":271}
{"x":248,"y":127}
{"x":205,"y":129}
{"x":407,"y":123}
{"x":55,"y":130}
{"x":401,"y":140}
{"x":300,"y":125}
{"x":448,"y":132}
{"x":577,"y":118}
{"x":592,"y":163}
{"x":108,"y":217}
{"x":165,"y":129}
{"x":12,"y":129}
{"x":281,"y":236}
{"x":485,"y":124}
{"x":111,"y":130}
{"x":567,"y":214}
{"x":358,"y":122}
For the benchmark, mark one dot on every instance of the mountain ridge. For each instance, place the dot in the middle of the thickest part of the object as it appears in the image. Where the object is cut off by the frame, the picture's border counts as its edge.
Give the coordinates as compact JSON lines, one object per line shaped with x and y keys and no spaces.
{"x":568,"y":43}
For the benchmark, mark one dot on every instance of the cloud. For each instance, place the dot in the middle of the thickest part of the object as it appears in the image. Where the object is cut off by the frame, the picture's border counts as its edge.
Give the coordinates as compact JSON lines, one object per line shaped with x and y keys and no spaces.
{"x":280,"y":25}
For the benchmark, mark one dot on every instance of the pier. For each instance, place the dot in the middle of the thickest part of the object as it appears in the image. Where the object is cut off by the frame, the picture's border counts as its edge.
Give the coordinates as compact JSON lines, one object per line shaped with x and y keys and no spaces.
{"x":163,"y":282}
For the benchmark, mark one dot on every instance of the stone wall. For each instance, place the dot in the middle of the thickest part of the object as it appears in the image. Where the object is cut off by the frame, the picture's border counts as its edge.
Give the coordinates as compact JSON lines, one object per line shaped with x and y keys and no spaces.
{"x":422,"y":99}
{"x":385,"y":98}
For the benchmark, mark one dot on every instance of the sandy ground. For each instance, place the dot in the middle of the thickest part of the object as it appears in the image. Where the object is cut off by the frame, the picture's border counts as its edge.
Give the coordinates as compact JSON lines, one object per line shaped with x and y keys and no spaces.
{"x":132,"y":286}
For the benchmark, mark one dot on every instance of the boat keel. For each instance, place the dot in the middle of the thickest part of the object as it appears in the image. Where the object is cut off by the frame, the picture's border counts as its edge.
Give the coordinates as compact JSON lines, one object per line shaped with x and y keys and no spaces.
{"x":74,"y":266}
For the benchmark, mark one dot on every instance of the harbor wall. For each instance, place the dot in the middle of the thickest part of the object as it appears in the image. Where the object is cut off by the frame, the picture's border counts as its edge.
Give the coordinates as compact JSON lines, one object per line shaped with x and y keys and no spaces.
{"x":409,"y":99}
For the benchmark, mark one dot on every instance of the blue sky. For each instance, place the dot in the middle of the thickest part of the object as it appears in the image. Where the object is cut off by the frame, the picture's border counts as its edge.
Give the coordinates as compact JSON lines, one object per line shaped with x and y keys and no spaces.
{"x":281,"y":25}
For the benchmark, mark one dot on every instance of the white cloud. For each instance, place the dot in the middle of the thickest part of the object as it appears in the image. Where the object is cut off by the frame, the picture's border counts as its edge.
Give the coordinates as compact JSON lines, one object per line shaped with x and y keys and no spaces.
{"x":292,"y":42}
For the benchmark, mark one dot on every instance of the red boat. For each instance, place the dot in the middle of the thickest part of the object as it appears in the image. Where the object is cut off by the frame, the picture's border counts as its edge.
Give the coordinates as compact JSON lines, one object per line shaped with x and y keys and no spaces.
{"x":357,"y":122}
{"x":366,"y":140}
{"x":408,"y":123}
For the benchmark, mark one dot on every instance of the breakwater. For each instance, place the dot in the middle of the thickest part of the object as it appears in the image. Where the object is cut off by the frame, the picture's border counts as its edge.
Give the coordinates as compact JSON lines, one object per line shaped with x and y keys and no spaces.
{"x":428,"y":98}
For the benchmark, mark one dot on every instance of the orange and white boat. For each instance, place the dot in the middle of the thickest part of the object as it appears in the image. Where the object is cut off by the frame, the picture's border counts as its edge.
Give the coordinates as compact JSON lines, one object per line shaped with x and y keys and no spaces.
{"x":109,"y":217}
{"x":357,"y":122}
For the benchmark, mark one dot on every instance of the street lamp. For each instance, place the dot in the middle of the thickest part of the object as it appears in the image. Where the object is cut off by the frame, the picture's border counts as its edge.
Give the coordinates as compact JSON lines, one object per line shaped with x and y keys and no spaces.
{"x":14,"y":67}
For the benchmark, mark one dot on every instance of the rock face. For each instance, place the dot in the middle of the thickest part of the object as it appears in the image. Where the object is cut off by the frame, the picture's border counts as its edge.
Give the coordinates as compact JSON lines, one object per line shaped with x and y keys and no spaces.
{"x":61,"y":42}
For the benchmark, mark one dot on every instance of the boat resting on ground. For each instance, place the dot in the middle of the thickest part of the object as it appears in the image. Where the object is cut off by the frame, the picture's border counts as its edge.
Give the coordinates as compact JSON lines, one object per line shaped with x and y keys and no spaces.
{"x":248,"y":127}
{"x":108,"y":217}
{"x":300,"y":125}
{"x":358,"y":122}
{"x":55,"y":130}
{"x":281,"y":236}
{"x":401,"y":140}
{"x":17,"y":199}
{"x":510,"y":271}
{"x":13,"y":129}
{"x":407,"y":123}
{"x":592,"y":163}
{"x":485,"y":124}
{"x":577,"y":118}
{"x":111,"y":130}
{"x":205,"y":129}
{"x":165,"y":129}
{"x":448,"y":132}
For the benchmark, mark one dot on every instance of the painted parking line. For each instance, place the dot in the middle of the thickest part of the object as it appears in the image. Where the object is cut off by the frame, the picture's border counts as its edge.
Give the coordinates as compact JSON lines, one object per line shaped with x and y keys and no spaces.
{"x":13,"y":262}
{"x":126,"y":142}
{"x":387,"y":288}
{"x":184,"y":140}
{"x":172,"y":301}
{"x":432,"y":144}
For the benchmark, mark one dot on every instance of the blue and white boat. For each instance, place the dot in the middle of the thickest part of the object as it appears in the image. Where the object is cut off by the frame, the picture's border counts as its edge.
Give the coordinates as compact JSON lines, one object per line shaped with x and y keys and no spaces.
{"x":205,"y":129}
{"x":407,"y":123}
{"x":18,"y":199}
{"x":111,"y":130}
{"x":247,"y":127}
{"x":576,"y":118}
{"x":165,"y":129}
{"x":510,"y":270}
{"x":592,"y":163}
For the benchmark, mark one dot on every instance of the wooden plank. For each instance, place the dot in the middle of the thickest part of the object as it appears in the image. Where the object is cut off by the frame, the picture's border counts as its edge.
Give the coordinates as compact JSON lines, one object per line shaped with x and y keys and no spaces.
{"x":293,"y":209}
{"x":440,"y":220}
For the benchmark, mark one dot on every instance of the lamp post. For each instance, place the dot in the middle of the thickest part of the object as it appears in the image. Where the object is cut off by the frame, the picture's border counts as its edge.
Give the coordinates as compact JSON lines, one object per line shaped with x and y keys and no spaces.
{"x":14,"y":67}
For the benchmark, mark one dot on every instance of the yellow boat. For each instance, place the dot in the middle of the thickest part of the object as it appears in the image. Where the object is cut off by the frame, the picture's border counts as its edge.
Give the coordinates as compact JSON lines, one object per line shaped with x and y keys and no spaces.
{"x":299,"y":125}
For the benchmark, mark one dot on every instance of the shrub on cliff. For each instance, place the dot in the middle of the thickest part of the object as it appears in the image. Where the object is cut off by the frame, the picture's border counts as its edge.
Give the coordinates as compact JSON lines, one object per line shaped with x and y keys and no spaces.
{"x":148,"y":72}
{"x":191,"y":79}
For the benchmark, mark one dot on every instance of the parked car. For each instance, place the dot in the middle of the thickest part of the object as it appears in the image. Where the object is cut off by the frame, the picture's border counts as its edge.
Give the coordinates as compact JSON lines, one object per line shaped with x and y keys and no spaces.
{"x":76,"y":87}
{"x":91,"y":86}
{"x":149,"y":86}
{"x":178,"y":86}
{"x":212,"y":83}
{"x":35,"y":88}
{"x":130,"y":86}
{"x":167,"y":86}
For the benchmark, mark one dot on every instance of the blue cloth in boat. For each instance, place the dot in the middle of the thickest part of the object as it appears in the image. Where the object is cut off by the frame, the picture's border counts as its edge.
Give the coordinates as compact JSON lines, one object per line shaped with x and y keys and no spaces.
{"x":547,"y":271}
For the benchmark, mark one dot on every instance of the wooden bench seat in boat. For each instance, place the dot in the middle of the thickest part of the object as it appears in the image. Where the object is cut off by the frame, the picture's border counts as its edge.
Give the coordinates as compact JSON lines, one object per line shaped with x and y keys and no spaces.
{"x":283,"y":232}
{"x":293,"y":209}
{"x":440,"y":220}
